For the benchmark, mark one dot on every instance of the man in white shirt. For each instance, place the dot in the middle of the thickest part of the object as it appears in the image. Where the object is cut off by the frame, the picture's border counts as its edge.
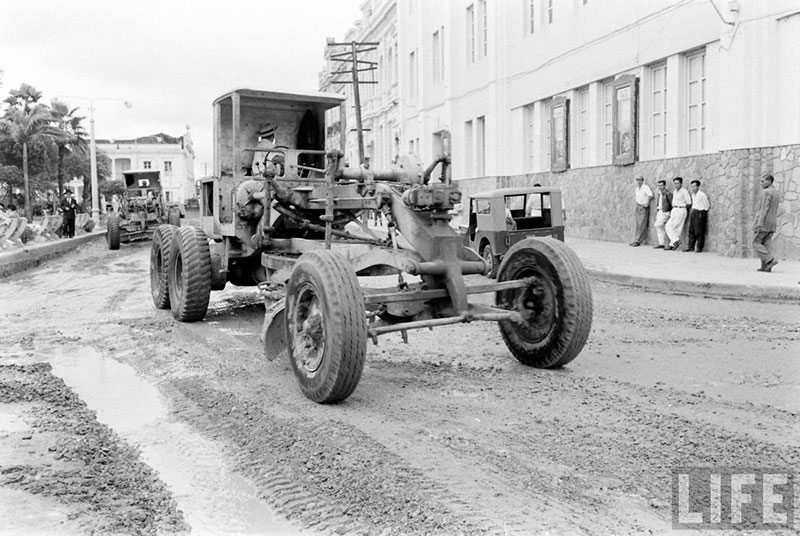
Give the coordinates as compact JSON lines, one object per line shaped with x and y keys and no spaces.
{"x":643,"y":195}
{"x":663,"y":209}
{"x":698,"y":218}
{"x":681,"y":202}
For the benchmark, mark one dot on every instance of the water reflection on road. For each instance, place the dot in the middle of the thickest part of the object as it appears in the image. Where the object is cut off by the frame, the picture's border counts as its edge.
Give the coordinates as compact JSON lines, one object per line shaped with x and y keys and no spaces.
{"x":214,"y":499}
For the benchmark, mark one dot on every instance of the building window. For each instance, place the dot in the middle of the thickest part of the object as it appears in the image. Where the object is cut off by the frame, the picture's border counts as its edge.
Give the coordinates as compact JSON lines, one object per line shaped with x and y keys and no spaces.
{"x":484,"y":27}
{"x":582,"y":153}
{"x":437,"y":60}
{"x":547,"y":139}
{"x":147,"y":164}
{"x":471,"y":34}
{"x":390,"y":66}
{"x":168,"y":196}
{"x":550,"y":11}
{"x":530,"y":137}
{"x":167,"y":167}
{"x":559,"y":110}
{"x":412,"y":75}
{"x":468,"y":148}
{"x":531,"y":16}
{"x":696,"y":99}
{"x":608,"y":127}
{"x":658,"y":109}
{"x":441,"y":53}
{"x":480,"y":143}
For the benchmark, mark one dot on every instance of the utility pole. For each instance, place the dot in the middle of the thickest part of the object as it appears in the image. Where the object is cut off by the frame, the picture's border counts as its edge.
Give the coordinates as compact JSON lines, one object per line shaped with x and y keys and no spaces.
{"x":350,"y":55}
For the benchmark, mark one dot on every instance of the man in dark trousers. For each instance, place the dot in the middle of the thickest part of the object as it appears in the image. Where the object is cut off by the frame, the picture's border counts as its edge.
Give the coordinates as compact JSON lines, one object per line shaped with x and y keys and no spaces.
{"x":766,"y":223}
{"x":69,"y":207}
{"x":642,"y":195}
{"x":698,"y":217}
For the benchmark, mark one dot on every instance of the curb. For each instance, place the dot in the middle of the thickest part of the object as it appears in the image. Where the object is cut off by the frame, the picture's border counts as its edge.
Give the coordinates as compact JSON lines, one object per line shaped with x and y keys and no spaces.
{"x":29,"y":257}
{"x":717,"y":290}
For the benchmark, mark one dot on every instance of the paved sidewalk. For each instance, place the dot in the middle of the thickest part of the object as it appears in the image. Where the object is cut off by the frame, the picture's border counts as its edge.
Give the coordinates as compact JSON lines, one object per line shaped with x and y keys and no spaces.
{"x":687,"y":273}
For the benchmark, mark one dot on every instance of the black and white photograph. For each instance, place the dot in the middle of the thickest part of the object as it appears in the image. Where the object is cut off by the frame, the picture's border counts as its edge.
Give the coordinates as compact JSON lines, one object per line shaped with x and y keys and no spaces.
{"x":400,"y":268}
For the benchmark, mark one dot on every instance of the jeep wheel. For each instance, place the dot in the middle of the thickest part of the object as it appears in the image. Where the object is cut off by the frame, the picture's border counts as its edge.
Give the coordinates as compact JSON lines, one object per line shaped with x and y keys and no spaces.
{"x":112,"y":231}
{"x":557,"y":305}
{"x":326,"y":328}
{"x":159,"y":265}
{"x":491,"y":259}
{"x":189,"y":281}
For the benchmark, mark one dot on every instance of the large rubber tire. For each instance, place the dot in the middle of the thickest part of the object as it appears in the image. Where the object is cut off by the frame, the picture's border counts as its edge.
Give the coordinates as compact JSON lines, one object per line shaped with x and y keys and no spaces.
{"x":112,"y":231}
{"x":488,"y":255}
{"x":559,"y":303}
{"x":326,"y":327}
{"x":189,"y":279}
{"x":159,"y":265}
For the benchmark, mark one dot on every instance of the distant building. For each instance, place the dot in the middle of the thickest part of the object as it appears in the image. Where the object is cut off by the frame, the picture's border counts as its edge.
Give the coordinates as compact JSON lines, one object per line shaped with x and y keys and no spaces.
{"x":173,"y":157}
{"x":379,"y":96}
{"x":588,"y":94}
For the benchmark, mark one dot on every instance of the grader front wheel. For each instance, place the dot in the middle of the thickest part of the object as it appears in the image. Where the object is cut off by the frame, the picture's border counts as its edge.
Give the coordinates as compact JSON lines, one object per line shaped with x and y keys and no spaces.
{"x":326,"y":328}
{"x":189,"y":281}
{"x":113,"y":232}
{"x":159,"y":265}
{"x":557,"y":306}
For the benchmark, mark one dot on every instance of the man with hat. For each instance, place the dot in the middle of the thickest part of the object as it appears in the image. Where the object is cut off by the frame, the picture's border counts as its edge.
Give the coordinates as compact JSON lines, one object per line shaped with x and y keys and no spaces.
{"x":69,"y":207}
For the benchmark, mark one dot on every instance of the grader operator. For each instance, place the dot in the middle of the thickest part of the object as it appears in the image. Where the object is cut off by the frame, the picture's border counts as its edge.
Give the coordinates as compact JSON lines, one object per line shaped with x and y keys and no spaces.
{"x":286,"y":215}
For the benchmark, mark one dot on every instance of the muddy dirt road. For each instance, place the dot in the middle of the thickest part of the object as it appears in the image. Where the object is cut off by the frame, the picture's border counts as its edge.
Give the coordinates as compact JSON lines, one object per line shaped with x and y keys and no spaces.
{"x":193,"y":429}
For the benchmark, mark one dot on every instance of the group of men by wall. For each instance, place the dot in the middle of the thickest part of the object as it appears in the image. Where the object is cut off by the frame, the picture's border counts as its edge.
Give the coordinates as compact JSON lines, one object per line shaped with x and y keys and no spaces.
{"x":677,"y":207}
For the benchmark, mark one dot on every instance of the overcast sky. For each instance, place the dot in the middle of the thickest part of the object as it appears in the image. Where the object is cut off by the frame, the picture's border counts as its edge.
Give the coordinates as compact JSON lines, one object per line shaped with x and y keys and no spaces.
{"x":170,"y":58}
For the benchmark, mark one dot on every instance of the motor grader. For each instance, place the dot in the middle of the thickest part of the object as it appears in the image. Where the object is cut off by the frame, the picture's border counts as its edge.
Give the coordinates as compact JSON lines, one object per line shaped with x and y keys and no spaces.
{"x":142,"y":209}
{"x":285,"y":215}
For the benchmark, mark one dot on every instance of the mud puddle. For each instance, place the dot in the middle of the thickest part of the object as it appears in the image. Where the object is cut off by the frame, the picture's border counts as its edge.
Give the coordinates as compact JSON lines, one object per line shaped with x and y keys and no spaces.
{"x":213,"y":498}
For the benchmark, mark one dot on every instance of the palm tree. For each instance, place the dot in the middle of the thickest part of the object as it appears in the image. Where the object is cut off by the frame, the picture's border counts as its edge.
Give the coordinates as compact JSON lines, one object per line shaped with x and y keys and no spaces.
{"x":24,"y":126}
{"x":72,"y":139}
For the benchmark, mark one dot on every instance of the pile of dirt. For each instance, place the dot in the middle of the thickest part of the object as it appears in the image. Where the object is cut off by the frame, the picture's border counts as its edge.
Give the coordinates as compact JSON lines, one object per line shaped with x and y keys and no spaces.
{"x":81,"y":462}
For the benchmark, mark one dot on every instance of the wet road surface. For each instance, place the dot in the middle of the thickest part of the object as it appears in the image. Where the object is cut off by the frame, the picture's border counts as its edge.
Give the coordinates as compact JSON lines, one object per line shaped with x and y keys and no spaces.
{"x":446,"y":435}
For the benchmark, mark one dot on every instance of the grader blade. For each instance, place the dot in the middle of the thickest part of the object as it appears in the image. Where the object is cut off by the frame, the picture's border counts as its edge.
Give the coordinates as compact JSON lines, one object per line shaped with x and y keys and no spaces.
{"x":275,"y":331}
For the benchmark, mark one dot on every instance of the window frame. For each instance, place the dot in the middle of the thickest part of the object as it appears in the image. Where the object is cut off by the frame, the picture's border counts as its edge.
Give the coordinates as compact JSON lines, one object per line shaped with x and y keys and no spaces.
{"x":701,"y":105}
{"x":625,"y":136}
{"x":559,"y":138}
{"x":471,"y":44}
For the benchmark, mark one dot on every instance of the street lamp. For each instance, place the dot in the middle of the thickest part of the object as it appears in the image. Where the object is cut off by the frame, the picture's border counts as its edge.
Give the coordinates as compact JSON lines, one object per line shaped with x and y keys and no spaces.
{"x":93,"y":149}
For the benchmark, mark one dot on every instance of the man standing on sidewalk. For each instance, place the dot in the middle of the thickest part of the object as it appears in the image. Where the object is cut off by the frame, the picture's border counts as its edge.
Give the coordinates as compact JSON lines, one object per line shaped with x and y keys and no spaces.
{"x":68,"y":209}
{"x":766,"y":223}
{"x":681,"y":201}
{"x":663,"y":208}
{"x":643,"y":196}
{"x":698,"y":217}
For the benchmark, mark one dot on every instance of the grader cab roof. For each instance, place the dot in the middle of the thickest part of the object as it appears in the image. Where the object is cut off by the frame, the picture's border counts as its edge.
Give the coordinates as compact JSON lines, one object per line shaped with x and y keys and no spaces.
{"x":142,"y":180}
{"x":249,"y":97}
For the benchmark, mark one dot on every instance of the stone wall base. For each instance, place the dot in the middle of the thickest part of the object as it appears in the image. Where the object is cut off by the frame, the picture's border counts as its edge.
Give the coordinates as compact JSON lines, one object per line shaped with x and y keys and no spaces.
{"x":600,"y":200}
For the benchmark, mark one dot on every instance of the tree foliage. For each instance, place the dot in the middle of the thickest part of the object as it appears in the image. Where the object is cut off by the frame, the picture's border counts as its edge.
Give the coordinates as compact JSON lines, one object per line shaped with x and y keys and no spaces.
{"x":24,"y":123}
{"x":55,"y":142}
{"x":73,"y":137}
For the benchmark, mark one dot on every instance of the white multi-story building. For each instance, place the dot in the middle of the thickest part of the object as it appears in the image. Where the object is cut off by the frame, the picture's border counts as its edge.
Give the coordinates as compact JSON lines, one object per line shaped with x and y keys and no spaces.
{"x":379,"y":95}
{"x":589,"y":94}
{"x":173,"y":157}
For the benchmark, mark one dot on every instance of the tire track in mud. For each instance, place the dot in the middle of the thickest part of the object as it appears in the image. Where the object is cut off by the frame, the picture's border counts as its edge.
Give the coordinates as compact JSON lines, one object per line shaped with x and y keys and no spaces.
{"x":326,"y":474}
{"x":596,"y":429}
